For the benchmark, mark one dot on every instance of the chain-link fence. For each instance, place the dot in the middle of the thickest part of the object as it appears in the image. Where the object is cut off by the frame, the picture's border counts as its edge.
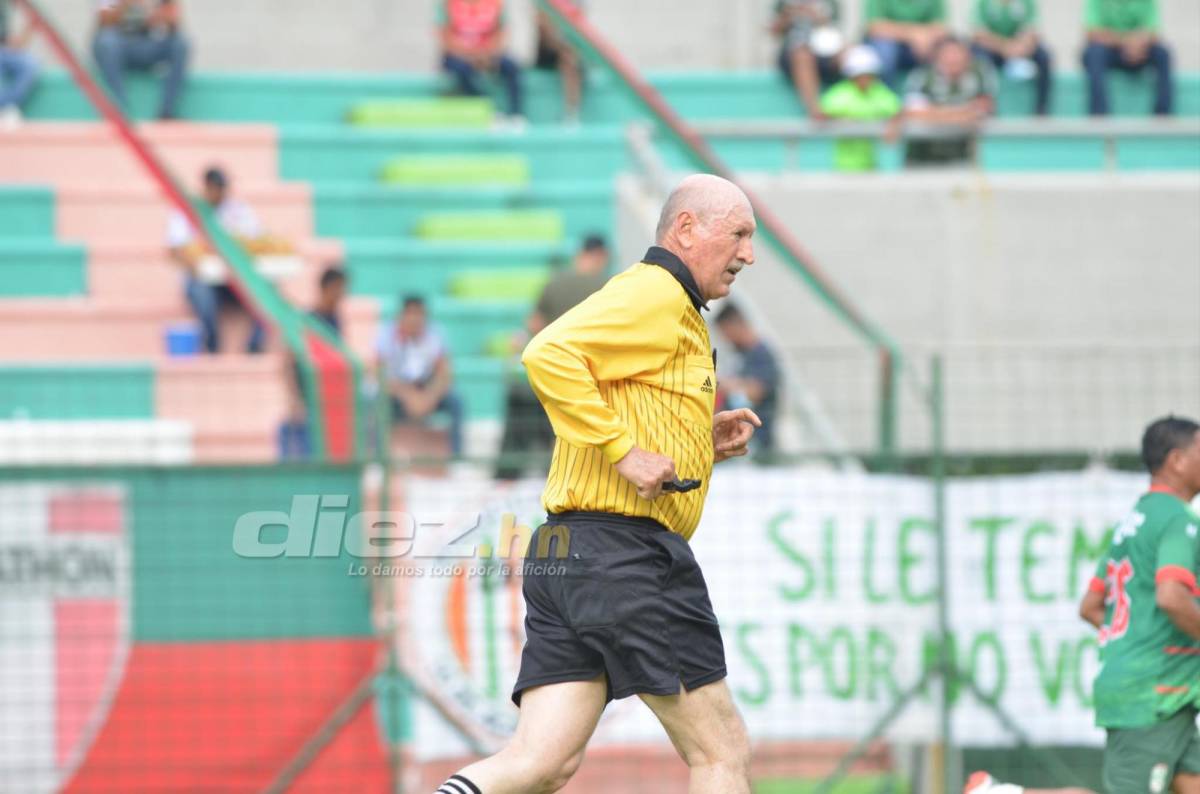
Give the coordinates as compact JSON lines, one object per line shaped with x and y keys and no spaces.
{"x":236,"y":627}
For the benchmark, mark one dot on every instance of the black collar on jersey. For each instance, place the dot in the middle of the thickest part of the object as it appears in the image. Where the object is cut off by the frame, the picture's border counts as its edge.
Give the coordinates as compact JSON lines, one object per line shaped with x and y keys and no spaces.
{"x":675,"y":266}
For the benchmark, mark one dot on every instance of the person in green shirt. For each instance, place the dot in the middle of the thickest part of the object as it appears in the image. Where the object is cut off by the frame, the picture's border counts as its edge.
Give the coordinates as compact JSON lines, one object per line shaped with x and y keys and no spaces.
{"x":809,"y":46}
{"x":1143,"y":601}
{"x":862,"y":96}
{"x":904,"y":33}
{"x":1123,"y":34}
{"x":1006,"y":34}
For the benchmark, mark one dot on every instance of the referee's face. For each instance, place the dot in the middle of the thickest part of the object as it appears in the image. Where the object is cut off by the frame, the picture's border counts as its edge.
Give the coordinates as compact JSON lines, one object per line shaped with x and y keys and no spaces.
{"x":721,"y":248}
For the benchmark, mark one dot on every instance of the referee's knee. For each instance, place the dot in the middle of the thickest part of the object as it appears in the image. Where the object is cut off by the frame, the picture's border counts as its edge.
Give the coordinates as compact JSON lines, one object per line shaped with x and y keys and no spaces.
{"x":730,"y":751}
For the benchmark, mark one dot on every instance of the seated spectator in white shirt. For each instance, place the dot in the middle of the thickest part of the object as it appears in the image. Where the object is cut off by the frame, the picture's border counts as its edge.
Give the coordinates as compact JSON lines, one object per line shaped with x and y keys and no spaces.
{"x":413,"y":366}
{"x":206,"y":290}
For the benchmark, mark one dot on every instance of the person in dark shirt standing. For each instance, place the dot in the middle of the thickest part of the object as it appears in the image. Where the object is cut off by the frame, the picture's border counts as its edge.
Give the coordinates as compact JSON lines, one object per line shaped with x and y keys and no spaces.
{"x":756,"y":385}
{"x":294,"y":438}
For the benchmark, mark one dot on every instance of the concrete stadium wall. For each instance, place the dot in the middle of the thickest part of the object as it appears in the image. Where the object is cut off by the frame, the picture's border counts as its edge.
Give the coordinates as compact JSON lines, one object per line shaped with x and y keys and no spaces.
{"x":396,"y":35}
{"x":1065,"y":304}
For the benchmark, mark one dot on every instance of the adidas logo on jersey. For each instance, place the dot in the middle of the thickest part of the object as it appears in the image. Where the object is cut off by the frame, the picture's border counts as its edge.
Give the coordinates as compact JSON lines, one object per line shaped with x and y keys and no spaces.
{"x":707,"y":386}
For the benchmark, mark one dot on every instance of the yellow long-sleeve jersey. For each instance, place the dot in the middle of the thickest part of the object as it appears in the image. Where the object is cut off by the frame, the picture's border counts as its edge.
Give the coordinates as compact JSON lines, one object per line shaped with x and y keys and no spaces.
{"x":630,"y":365}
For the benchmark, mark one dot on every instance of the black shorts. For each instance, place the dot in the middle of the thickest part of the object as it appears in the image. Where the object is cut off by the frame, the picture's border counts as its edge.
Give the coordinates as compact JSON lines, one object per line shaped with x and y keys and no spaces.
{"x":628,"y":600}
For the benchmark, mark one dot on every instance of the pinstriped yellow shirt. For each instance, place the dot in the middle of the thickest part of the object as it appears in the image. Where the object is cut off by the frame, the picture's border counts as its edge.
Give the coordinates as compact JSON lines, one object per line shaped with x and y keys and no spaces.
{"x":630,"y":365}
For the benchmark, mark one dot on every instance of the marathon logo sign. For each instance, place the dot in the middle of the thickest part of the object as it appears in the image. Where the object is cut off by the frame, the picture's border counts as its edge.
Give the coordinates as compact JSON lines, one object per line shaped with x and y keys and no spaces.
{"x":64,"y":624}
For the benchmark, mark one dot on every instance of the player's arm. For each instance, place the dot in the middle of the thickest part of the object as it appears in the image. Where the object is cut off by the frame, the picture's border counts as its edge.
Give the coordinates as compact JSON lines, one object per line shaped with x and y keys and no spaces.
{"x":1175,"y":576}
{"x":1176,"y":599}
{"x":1092,"y":609}
{"x":615,"y":334}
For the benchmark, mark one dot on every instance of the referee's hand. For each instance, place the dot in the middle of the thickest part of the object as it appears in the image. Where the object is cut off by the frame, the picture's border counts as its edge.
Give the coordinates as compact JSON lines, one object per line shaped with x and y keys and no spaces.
{"x":647,"y":471}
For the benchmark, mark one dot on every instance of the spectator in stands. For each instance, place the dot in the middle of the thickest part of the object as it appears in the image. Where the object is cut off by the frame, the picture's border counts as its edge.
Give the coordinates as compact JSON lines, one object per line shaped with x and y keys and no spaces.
{"x":956,"y":91}
{"x":141,"y":35}
{"x":294,"y":438}
{"x":756,"y":385}
{"x":904,"y":33}
{"x":554,"y":52}
{"x":1006,"y":34}
{"x":526,"y":427}
{"x":18,"y":69}
{"x":412,"y":364}
{"x":1123,"y":34}
{"x":206,"y":285}
{"x":474,"y":35}
{"x":810,"y":46}
{"x":861,"y":97}
{"x":331,"y":290}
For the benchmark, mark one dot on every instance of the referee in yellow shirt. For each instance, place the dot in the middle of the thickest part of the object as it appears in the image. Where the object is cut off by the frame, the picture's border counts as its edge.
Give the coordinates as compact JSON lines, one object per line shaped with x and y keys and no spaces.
{"x":627,"y":378}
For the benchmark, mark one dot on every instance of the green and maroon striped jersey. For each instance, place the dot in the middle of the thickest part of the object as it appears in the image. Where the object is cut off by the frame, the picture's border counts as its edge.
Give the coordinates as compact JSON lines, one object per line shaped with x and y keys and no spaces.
{"x":1149,"y":668}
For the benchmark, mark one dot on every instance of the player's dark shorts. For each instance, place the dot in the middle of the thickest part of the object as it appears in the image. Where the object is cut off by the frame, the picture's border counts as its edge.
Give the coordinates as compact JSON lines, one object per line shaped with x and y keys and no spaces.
{"x":628,"y":600}
{"x":1144,"y":760}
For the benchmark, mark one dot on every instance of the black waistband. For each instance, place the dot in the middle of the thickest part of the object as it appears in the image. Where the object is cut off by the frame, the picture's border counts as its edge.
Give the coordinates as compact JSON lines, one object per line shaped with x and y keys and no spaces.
{"x":596,"y":517}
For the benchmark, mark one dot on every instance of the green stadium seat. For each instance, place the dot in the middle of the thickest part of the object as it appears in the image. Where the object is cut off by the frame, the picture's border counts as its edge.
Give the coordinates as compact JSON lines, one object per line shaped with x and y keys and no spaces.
{"x":529,"y":225}
{"x":26,"y":212}
{"x":443,"y":170}
{"x":523,"y":284}
{"x":431,"y":112}
{"x":80,"y":391}
{"x":387,"y":267}
{"x":41,"y":268}
{"x":349,"y":210}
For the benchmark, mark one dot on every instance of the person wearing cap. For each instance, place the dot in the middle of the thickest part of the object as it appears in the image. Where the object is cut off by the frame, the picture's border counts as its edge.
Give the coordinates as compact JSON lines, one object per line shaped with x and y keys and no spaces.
{"x":861,"y":97}
{"x":1124,"y":34}
{"x":207,"y":293}
{"x":810,"y":44}
{"x":141,"y":35}
{"x":904,"y":33}
{"x":1006,"y":34}
{"x":957,"y":91}
{"x":526,"y":427}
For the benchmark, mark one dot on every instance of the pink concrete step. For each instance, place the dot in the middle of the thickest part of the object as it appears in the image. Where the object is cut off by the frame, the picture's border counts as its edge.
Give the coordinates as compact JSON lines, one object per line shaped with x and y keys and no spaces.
{"x":79,"y":329}
{"x":133,"y":214}
{"x":228,"y":396}
{"x":120,"y":274}
{"x":64,"y":153}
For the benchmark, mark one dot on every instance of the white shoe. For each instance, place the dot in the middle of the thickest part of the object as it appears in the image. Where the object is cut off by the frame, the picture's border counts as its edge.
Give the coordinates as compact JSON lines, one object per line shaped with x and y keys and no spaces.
{"x":10,"y":117}
{"x":983,"y":783}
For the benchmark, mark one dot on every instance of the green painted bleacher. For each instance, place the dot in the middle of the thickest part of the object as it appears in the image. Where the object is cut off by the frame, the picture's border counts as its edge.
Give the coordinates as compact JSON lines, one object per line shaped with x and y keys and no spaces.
{"x":509,"y":284}
{"x":41,"y":267}
{"x":435,"y":112}
{"x":524,"y":225}
{"x":339,"y":153}
{"x":479,"y":170}
{"x":479,"y":380}
{"x":26,"y":212}
{"x":388,"y":268}
{"x":327,"y":98}
{"x":82,"y":391}
{"x":350,"y":210}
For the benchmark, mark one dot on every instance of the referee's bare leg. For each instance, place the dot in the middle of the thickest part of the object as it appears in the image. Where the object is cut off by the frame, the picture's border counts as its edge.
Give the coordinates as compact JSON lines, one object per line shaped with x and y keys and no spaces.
{"x":708,"y":732}
{"x":553,"y":729}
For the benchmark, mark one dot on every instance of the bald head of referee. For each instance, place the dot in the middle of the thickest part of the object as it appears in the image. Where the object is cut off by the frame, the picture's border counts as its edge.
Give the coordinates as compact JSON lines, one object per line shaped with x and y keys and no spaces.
{"x":627,"y":378}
